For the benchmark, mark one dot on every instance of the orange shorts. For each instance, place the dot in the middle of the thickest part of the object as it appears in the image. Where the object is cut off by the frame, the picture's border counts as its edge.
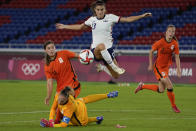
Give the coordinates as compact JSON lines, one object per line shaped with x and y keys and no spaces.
{"x":160,"y":72}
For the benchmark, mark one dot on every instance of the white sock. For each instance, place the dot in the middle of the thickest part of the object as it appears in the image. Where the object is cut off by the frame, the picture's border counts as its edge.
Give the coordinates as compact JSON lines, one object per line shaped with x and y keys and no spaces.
{"x":106,"y":56}
{"x":104,"y":68}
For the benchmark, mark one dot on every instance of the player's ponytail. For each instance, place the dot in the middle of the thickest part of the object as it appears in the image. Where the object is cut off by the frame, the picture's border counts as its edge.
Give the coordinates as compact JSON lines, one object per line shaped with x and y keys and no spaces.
{"x":96,"y":3}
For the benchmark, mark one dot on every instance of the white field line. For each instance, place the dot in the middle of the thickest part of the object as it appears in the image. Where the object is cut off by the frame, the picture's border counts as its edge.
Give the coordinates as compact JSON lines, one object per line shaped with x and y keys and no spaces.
{"x":36,"y":112}
{"x":16,"y":113}
{"x":122,"y":119}
{"x":95,"y":110}
{"x":11,"y":122}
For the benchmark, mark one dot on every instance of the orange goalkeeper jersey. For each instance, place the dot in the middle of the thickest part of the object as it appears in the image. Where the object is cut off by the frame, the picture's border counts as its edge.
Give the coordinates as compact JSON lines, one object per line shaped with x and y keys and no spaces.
{"x":165,"y":51}
{"x":62,"y":71}
{"x":74,"y":110}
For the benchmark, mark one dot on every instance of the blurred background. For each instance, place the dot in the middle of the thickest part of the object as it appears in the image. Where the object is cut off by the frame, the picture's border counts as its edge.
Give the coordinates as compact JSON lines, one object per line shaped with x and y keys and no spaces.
{"x":26,"y":24}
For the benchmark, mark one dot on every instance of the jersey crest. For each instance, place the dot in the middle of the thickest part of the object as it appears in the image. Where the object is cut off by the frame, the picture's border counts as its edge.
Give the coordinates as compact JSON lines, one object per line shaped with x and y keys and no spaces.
{"x":60,"y":60}
{"x":172,"y":47}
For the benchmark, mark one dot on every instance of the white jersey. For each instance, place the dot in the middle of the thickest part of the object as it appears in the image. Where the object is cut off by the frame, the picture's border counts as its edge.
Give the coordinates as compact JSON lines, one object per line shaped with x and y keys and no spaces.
{"x":102,"y":29}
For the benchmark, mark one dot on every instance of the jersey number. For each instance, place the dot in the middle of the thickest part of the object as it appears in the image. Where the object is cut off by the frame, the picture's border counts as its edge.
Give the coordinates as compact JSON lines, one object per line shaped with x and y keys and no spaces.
{"x":93,"y":26}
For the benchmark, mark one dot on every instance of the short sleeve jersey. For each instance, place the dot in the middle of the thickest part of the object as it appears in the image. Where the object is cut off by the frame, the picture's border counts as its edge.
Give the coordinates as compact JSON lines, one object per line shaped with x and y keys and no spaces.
{"x":61,"y":70}
{"x":165,"y":51}
{"x":102,"y":29}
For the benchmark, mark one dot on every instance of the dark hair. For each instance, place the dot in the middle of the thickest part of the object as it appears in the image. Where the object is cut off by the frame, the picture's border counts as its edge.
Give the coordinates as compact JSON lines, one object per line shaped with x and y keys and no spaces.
{"x":65,"y":92}
{"x":96,"y":3}
{"x":172,"y":26}
{"x":47,"y":57}
{"x":47,"y":43}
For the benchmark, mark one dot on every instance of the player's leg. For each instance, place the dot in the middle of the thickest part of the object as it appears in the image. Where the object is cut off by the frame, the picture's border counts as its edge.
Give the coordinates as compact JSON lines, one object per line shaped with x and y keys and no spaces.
{"x":108,"y":69}
{"x":97,"y":97}
{"x":100,"y":67}
{"x":157,"y":88}
{"x":98,"y":119}
{"x":101,"y":52}
{"x":170,"y":94}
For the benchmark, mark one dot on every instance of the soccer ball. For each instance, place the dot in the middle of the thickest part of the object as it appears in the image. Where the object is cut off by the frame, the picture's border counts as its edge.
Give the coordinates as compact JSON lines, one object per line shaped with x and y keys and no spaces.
{"x":86,"y":57}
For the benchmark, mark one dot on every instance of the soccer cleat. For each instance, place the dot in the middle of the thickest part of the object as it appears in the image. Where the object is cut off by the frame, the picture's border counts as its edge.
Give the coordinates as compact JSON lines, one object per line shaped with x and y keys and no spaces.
{"x":175,"y":109}
{"x":98,"y":67}
{"x":112,"y":94}
{"x":99,"y":119}
{"x":139,"y":87}
{"x":118,"y":70}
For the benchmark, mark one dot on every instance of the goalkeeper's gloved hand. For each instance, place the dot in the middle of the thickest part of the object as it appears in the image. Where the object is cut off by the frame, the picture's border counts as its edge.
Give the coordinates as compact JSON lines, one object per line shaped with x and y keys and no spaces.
{"x":46,"y":123}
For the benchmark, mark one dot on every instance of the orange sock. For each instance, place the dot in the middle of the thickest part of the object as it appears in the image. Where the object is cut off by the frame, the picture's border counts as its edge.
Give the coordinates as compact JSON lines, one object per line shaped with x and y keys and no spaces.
{"x":150,"y":87}
{"x":171,"y":97}
{"x":94,"y":98}
{"x":92,"y":119}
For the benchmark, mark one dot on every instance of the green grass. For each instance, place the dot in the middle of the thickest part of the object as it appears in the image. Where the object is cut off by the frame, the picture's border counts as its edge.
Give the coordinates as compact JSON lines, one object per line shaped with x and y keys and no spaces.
{"x":145,"y":111}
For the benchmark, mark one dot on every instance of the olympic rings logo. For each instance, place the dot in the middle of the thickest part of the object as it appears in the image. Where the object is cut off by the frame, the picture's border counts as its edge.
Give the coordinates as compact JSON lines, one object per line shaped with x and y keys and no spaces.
{"x":30,"y":69}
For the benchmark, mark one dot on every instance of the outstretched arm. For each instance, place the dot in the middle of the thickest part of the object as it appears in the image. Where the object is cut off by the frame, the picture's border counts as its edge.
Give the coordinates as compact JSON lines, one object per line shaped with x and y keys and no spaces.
{"x":134,"y":18}
{"x":71,"y":27}
{"x":177,"y":58}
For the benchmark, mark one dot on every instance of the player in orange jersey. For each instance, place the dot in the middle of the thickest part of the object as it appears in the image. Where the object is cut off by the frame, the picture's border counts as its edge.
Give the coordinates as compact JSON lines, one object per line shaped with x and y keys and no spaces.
{"x":165,"y":47}
{"x":58,"y":67}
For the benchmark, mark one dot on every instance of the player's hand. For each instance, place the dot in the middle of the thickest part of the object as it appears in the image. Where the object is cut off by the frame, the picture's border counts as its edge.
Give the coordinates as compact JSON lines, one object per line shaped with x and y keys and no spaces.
{"x":46,"y":123}
{"x":147,"y":14}
{"x":150,"y":68}
{"x":60,"y":26}
{"x":179,"y":73}
{"x":47,"y":100}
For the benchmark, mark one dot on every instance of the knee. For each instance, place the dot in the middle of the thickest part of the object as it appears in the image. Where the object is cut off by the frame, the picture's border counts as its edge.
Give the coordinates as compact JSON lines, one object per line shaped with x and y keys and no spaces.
{"x":101,"y":47}
{"x":161,"y":90}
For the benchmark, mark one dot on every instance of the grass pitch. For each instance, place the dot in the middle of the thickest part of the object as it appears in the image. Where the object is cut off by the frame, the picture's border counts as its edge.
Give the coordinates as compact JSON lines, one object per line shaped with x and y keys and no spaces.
{"x":22,"y":106}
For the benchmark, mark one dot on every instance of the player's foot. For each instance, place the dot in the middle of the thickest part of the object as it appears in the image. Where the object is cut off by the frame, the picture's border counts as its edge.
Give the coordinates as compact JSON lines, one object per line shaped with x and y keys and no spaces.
{"x":112,"y":94}
{"x":98,"y":67}
{"x":139,"y":87}
{"x":119,"y":70}
{"x":175,"y":109}
{"x":99,"y":119}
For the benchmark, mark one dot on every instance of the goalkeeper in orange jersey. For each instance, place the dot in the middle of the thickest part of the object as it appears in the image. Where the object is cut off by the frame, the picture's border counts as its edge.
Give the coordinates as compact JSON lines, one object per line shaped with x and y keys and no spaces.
{"x":74,"y":110}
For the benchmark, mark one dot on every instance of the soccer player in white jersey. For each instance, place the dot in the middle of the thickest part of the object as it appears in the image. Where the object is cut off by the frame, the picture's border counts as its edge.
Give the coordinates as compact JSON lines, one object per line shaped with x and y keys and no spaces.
{"x":101,"y":25}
